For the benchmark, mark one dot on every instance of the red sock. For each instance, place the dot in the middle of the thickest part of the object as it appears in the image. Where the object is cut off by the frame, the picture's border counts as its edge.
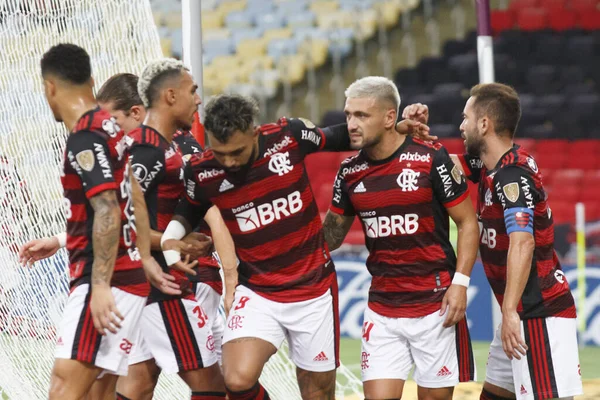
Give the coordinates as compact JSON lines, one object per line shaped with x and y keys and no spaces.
{"x":208,"y":395}
{"x":256,"y":392}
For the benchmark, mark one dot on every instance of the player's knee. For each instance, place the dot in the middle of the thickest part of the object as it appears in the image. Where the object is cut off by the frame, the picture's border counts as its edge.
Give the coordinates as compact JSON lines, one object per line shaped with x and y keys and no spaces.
{"x":59,"y":389}
{"x":141,"y":389}
{"x":237,"y":380}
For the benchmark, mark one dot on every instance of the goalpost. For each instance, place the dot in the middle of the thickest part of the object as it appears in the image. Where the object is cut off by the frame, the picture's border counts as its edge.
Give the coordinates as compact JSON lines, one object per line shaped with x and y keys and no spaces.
{"x":120,"y":36}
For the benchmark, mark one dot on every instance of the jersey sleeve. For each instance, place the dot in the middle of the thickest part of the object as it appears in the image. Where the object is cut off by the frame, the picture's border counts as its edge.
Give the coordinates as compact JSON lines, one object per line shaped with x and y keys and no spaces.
{"x":449,"y":184}
{"x":194,"y":205}
{"x":472,"y":166}
{"x":515,"y":189}
{"x":148,"y":165}
{"x":90,"y":156}
{"x":188,"y":144}
{"x":340,"y":202}
{"x":312,"y":139}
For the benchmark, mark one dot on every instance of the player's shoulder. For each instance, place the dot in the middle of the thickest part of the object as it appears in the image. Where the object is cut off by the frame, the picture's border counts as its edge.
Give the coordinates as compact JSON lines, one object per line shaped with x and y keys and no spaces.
{"x":274,"y":128}
{"x":146,"y":136}
{"x":352,"y":165}
{"x":427,"y":144}
{"x":204,"y":166}
{"x":99,"y":121}
{"x":516,"y":162}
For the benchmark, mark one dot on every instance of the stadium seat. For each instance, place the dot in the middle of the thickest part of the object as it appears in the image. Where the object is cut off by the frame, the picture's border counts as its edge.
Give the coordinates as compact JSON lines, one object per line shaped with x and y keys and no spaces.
{"x":301,"y":19}
{"x":211,"y":34}
{"x":561,"y":20}
{"x":584,"y":6}
{"x":292,"y":68}
{"x":562,"y":211}
{"x":324,"y":7}
{"x":228,"y":6}
{"x":550,"y":160}
{"x":388,"y":12}
{"x":292,"y":7}
{"x":315,"y":51}
{"x":238,"y":20}
{"x":250,"y":33}
{"x":212,"y":19}
{"x":280,"y":33}
{"x":590,"y":20}
{"x":502,"y":20}
{"x":583,"y":161}
{"x":552,"y":146}
{"x":336,"y":19}
{"x":251,"y":47}
{"x":444,"y":130}
{"x":278,"y":48}
{"x":532,"y":19}
{"x":579,"y":147}
{"x":568,"y":177}
{"x":580,"y":48}
{"x":453,"y":146}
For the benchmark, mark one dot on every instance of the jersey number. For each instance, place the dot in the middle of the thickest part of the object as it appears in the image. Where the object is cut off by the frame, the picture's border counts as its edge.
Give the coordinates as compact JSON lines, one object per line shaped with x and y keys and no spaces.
{"x":488,"y":237}
{"x":202,"y":317}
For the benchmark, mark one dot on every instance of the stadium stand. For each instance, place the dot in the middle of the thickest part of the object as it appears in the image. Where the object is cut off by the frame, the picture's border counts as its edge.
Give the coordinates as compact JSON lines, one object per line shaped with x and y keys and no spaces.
{"x":549,"y":50}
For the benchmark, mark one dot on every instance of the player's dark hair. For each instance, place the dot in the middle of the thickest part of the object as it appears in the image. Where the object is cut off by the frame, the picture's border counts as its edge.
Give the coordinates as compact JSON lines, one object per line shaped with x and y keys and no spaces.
{"x":500,"y":103}
{"x":68,"y":62}
{"x":226,"y":114}
{"x":121,"y":91}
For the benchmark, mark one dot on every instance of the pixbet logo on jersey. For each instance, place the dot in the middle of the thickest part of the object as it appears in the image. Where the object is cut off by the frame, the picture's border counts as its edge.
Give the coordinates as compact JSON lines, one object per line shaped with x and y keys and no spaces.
{"x":250,"y":218}
{"x":384,"y":226}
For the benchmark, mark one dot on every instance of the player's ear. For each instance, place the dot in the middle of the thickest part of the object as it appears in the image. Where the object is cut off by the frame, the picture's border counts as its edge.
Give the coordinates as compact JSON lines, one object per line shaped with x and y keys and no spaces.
{"x":92,"y":82}
{"x":170,"y":96}
{"x":483,"y":124}
{"x":49,"y":88}
{"x":138,"y":113}
{"x":390,"y":119}
{"x":256,"y":131}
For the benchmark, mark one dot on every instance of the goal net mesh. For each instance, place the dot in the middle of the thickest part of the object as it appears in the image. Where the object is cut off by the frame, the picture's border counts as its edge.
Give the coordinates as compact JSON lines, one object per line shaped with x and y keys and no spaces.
{"x":120,"y":36}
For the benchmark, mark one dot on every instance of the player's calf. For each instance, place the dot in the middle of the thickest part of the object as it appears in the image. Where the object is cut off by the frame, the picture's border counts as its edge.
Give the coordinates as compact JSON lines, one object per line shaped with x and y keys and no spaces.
{"x":444,"y":393}
{"x":316,"y":385}
{"x":140,"y":381}
{"x":71,"y":379}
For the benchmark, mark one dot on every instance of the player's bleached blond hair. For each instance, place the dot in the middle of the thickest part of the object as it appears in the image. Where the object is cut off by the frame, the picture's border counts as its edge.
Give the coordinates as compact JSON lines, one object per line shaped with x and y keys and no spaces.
{"x":155,"y":73}
{"x":378,"y":87}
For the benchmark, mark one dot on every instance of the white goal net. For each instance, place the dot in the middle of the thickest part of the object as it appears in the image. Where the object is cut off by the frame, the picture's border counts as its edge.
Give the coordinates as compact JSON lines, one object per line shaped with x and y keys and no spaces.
{"x":120,"y":36}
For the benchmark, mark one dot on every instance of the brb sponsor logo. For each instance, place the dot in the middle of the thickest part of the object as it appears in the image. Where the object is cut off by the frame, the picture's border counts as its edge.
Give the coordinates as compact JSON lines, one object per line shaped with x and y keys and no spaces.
{"x":394,"y":225}
{"x":250,"y":217}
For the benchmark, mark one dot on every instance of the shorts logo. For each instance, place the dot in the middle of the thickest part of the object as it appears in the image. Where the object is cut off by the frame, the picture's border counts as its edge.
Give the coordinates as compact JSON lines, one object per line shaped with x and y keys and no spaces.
{"x":523,"y":390}
{"x":366,"y":331}
{"x":126,"y":346}
{"x":321,"y":357}
{"x":444,"y":371}
{"x":86,"y":160}
{"x":364,"y":360}
{"x":235,"y":322}
{"x":210,"y":343}
{"x":511,"y":191}
{"x":280,"y":163}
{"x":59,"y":342}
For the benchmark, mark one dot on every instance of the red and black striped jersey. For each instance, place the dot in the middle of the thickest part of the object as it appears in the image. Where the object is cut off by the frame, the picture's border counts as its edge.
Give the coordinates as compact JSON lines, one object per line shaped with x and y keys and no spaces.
{"x":401,"y":202}
{"x":511,"y":197}
{"x":270,"y":210}
{"x":158,"y":167}
{"x":208,"y":268}
{"x":95,"y":160}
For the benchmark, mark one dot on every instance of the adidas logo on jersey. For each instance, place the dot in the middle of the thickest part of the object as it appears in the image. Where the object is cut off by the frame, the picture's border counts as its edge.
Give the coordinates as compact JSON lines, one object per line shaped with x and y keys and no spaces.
{"x":360,"y":188}
{"x":321,"y":357}
{"x":444,"y":371}
{"x":225,"y":185}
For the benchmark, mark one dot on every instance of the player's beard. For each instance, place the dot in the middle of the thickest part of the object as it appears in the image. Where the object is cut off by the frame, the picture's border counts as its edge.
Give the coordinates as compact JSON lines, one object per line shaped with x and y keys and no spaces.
{"x":475,"y":145}
{"x":243,"y":170}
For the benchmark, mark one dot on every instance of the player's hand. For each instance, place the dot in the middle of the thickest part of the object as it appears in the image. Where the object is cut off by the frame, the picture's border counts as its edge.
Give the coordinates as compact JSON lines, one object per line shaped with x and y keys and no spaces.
{"x":454,"y":304}
{"x":38,"y":249}
{"x":413,"y":128}
{"x":198,"y":245}
{"x":183,"y":265}
{"x":512,"y":341}
{"x":417,"y":112}
{"x":104,"y":310}
{"x":231,"y":281}
{"x":164,"y":282}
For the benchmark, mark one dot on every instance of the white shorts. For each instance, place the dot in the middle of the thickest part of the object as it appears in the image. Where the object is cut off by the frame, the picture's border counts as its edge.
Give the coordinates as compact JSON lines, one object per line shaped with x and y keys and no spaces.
{"x":79,"y":340}
{"x":210,"y":301}
{"x":177,"y":334}
{"x":311,"y":326}
{"x":551,"y":368}
{"x":442,"y":357}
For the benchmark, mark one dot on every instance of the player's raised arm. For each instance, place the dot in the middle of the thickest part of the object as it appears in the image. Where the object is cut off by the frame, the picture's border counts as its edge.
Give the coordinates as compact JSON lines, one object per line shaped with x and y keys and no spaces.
{"x":518,"y":218}
{"x":451,"y":189}
{"x":226,"y":251}
{"x":39,"y":249}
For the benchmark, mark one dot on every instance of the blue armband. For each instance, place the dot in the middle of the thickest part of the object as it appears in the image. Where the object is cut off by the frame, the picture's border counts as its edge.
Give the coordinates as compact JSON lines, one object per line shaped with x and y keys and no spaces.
{"x":518,"y":219}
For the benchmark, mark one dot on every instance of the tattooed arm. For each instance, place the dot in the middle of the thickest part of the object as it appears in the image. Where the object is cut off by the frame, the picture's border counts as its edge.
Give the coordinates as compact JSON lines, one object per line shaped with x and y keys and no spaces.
{"x":336,"y":228}
{"x":105,"y":242}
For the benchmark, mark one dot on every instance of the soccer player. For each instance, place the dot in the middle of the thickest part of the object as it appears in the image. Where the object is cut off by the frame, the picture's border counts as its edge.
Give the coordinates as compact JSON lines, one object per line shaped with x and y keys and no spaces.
{"x":534,"y":353}
{"x":403,"y":190}
{"x":175,"y":330}
{"x":288,"y":289}
{"x":108,"y":286}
